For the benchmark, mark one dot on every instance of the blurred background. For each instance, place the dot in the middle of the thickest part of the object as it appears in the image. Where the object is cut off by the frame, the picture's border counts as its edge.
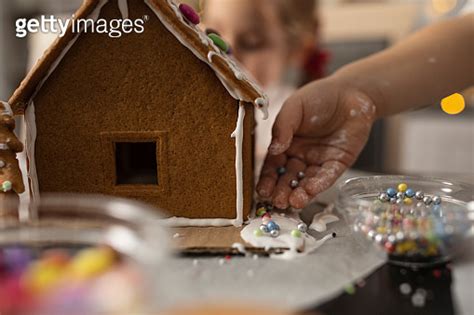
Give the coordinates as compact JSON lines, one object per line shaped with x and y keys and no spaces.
{"x":427,"y":141}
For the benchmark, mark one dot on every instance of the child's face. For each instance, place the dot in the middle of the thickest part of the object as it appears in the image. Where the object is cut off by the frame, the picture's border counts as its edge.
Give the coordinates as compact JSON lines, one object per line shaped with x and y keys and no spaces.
{"x":256,"y":35}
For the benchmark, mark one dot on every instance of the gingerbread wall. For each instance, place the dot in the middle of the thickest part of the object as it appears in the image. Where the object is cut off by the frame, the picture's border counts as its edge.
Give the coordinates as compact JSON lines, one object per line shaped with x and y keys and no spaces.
{"x":137,"y":87}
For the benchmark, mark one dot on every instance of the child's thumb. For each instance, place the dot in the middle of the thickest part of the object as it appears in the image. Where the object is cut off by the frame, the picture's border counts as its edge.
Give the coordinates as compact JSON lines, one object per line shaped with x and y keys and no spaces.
{"x":285,"y":126}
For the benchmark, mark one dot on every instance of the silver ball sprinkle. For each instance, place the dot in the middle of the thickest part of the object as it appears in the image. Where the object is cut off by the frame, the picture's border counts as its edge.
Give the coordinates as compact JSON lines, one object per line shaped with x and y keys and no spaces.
{"x":379,"y":238}
{"x":399,"y":201}
{"x":2,"y":164}
{"x":400,"y":195}
{"x":393,"y":200}
{"x":419,"y":195}
{"x":384,"y":197}
{"x":391,"y":238}
{"x":275,"y":233}
{"x":302,"y":227}
{"x":436,"y":200}
{"x":294,"y":183}
{"x":420,"y":204}
{"x":300,"y":175}
{"x":400,"y":236}
{"x":281,"y":170}
{"x":427,"y":200}
{"x":264,"y":228}
{"x":371,"y":234}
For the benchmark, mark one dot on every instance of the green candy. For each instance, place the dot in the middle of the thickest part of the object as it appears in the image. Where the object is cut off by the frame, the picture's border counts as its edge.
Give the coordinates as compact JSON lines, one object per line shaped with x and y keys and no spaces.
{"x":296,"y":233}
{"x":219,"y":42}
{"x":258,"y":233}
{"x":350,"y":289}
{"x":6,"y":186}
{"x":261,"y":211}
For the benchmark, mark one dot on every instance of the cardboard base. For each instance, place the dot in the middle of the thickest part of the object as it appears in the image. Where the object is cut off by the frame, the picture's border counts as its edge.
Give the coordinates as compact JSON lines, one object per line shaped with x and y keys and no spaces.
{"x":219,"y":240}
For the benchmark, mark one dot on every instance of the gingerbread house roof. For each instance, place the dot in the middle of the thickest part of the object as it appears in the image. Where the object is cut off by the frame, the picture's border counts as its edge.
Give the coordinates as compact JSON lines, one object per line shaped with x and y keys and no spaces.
{"x":235,"y":80}
{"x":10,"y":174}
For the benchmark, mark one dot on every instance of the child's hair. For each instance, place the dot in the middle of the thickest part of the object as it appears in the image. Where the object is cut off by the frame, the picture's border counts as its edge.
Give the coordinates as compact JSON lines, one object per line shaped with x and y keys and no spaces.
{"x":299,"y":18}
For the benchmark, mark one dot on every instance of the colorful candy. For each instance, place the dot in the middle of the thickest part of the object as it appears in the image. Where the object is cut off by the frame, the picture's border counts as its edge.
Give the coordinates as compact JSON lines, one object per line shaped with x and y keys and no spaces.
{"x":296,"y":233}
{"x":294,"y":183}
{"x":6,"y":186}
{"x":281,"y":170}
{"x":219,"y":42}
{"x":189,"y":14}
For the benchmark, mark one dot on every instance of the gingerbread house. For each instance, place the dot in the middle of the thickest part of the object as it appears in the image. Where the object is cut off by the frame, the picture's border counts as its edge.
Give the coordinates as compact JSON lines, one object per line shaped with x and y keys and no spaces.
{"x":165,"y":116}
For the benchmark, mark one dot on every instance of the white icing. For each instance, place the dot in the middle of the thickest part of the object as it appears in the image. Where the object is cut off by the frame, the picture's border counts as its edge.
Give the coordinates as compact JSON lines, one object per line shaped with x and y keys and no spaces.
{"x":183,"y":222}
{"x":7,"y":110}
{"x":321,"y":220}
{"x":216,"y":51}
{"x":4,"y":146}
{"x":123,"y":7}
{"x":240,"y":247}
{"x":238,"y":135}
{"x":296,"y":246}
{"x":30,"y":140}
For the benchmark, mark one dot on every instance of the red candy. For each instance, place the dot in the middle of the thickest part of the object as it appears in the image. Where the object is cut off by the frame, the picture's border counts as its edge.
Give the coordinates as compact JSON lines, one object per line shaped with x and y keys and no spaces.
{"x":267,"y":215}
{"x":189,"y":14}
{"x":389,"y":247}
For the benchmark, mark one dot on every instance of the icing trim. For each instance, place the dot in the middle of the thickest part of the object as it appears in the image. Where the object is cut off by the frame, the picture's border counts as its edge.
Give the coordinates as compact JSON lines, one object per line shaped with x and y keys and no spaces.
{"x":30,"y":141}
{"x":238,"y":135}
{"x":7,"y":110}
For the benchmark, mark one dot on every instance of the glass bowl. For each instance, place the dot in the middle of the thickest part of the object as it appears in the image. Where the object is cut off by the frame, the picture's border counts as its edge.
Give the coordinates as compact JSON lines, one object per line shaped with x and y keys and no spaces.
{"x":419,"y":230}
{"x":66,"y":240}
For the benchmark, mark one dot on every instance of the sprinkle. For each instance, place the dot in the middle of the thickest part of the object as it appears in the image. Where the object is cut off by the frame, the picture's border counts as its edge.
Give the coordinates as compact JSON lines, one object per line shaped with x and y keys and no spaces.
{"x":300,"y":175}
{"x":296,"y":233}
{"x":261,"y":211}
{"x":402,"y":187}
{"x":6,"y":186}
{"x":258,"y":233}
{"x":391,"y":192}
{"x":407,"y":201}
{"x":219,"y":42}
{"x":228,"y":257}
{"x":294,"y":183}
{"x":350,"y":289}
{"x":189,"y":13}
{"x":418,"y":300}
{"x":281,"y":170}
{"x":405,"y":288}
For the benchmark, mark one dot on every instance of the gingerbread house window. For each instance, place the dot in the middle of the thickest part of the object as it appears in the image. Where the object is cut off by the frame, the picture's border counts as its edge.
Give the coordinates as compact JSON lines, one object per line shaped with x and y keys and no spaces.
{"x":136,"y":163}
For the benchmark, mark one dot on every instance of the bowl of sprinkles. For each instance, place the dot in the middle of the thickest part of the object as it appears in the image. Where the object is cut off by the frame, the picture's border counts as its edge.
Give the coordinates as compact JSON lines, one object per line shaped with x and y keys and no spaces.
{"x":81,"y":254}
{"x":414,"y":221}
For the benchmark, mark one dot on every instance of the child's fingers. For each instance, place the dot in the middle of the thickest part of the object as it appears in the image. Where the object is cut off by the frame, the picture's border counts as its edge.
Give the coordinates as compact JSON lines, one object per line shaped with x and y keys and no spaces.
{"x":283,"y":188}
{"x":324,"y":178}
{"x":285,"y":126}
{"x":269,"y":175}
{"x":299,"y":198}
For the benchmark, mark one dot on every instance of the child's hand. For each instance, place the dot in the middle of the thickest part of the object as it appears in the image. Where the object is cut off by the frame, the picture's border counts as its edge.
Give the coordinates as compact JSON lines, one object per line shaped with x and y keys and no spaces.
{"x":320,"y":130}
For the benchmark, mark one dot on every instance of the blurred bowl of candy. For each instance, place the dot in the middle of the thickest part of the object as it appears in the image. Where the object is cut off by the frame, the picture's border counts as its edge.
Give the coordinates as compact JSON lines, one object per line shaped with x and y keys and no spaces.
{"x":413,"y":221}
{"x":80,"y":254}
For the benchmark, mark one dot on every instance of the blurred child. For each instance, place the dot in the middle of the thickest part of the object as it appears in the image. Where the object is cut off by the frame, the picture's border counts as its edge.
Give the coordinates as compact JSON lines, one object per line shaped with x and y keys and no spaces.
{"x":276,"y":42}
{"x":322,"y":128}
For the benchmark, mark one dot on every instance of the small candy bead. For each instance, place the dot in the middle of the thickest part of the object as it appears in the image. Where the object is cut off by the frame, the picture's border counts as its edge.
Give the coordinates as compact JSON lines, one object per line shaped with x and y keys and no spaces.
{"x":296,"y":233}
{"x":275,"y":233}
{"x":427,"y":200}
{"x":302,"y":227}
{"x":436,"y":200}
{"x":273,"y":226}
{"x":393,"y":200}
{"x":410,"y":193}
{"x":399,"y":201}
{"x":6,"y":186}
{"x":267,"y":215}
{"x":266,"y":220}
{"x":2,"y":163}
{"x":400,"y":195}
{"x":258,"y":233}
{"x":294,"y":183}
{"x":391,"y":192}
{"x":264,"y":228}
{"x":219,"y":42}
{"x":402,"y":187}
{"x":419,"y":195}
{"x":384,"y":197}
{"x":189,"y":13}
{"x":407,"y":201}
{"x":300,"y":175}
{"x":261,"y":211}
{"x":389,"y":247}
{"x":281,"y":170}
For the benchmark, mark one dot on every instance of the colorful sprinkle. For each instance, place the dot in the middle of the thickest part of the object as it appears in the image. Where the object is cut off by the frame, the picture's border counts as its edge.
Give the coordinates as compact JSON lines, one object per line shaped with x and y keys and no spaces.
{"x":391,"y":192}
{"x":402,"y":187}
{"x":296,"y":233}
{"x":219,"y":42}
{"x":281,"y":170}
{"x":261,"y":211}
{"x":350,"y":289}
{"x":189,"y":13}
{"x":258,"y":233}
{"x":6,"y":186}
